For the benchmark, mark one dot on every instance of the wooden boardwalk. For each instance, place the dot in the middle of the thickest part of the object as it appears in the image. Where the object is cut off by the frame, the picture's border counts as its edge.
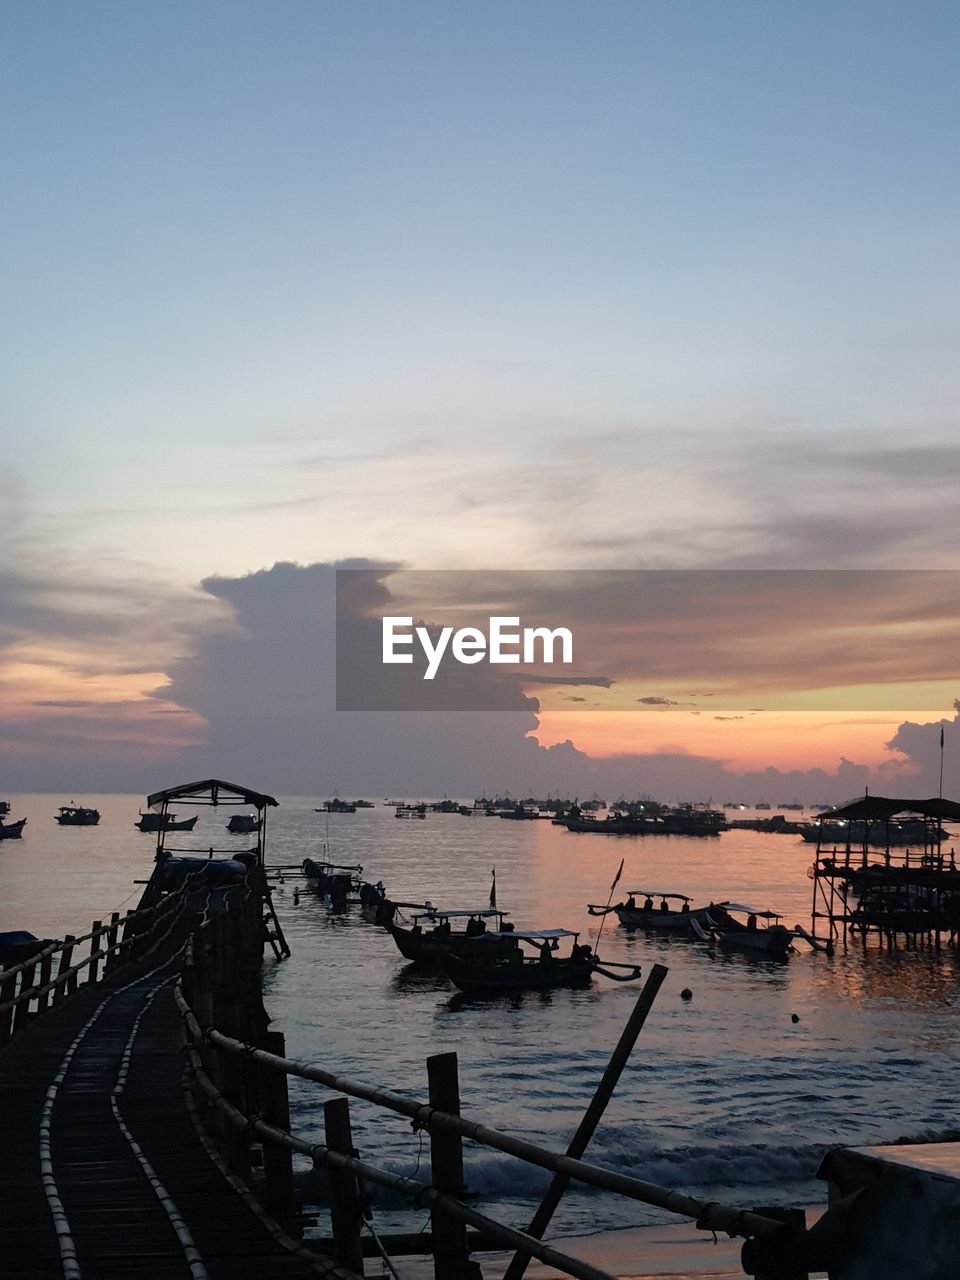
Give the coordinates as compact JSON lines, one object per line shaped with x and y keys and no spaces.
{"x":95,"y":1085}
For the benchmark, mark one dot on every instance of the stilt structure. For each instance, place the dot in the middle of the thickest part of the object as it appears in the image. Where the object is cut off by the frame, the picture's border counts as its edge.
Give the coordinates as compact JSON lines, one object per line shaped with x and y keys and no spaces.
{"x":885,"y":867}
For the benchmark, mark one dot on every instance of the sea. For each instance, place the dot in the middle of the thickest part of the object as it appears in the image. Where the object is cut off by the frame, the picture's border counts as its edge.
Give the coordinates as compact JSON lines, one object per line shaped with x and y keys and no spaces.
{"x":732,"y":1095}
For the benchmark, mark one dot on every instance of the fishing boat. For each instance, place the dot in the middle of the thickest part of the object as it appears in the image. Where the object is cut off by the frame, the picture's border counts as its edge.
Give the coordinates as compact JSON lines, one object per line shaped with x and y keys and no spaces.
{"x":435,"y":934}
{"x":479,"y":970}
{"x":770,"y":938}
{"x":337,"y":806}
{"x":410,"y":811}
{"x":164,"y":822}
{"x":650,"y":909}
{"x":74,"y":815}
{"x":335,"y":882}
{"x":242,"y":824}
{"x":12,"y":830}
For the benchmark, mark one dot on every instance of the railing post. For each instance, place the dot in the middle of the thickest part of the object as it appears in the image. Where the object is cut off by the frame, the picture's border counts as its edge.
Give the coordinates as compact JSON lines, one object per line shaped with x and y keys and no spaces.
{"x":8,"y":991}
{"x":451,"y":1256}
{"x":46,"y":972}
{"x":66,"y":985}
{"x":21,"y":1012}
{"x":275,"y":1108}
{"x":93,"y":972}
{"x":126,"y":933}
{"x":345,"y":1217}
{"x":231,"y":1080}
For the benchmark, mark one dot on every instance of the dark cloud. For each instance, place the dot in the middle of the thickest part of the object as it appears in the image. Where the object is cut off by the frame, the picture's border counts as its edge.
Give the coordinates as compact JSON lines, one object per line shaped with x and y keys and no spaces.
{"x":657,"y":702}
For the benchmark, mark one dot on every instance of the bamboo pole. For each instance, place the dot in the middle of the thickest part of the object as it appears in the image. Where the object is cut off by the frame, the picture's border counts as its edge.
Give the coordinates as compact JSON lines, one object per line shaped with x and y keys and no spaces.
{"x":588,"y":1125}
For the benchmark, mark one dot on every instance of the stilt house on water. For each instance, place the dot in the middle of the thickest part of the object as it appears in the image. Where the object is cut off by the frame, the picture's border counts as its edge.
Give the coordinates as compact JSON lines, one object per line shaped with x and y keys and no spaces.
{"x":887,"y":867}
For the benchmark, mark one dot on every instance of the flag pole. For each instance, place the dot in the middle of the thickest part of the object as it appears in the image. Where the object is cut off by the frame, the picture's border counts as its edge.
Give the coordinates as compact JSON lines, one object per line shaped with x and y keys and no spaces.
{"x":603,"y":921}
{"x":940,"y":792}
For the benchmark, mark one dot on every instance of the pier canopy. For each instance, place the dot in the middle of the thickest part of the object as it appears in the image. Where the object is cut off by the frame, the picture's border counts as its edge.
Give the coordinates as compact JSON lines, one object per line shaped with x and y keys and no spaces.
{"x":884,"y":808}
{"x":212,"y":791}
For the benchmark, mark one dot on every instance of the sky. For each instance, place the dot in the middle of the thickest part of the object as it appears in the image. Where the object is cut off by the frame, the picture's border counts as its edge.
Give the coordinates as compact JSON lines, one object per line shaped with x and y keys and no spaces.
{"x":552,"y":286}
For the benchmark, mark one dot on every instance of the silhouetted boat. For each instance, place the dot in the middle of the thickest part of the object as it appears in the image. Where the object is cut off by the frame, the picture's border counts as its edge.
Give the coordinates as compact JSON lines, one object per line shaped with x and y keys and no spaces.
{"x":658,"y":915}
{"x":772,"y":939}
{"x":72,"y":815}
{"x":482,"y":971}
{"x":164,"y":822}
{"x":337,"y":806}
{"x":432,"y":935}
{"x":12,"y":830}
{"x":242,"y":824}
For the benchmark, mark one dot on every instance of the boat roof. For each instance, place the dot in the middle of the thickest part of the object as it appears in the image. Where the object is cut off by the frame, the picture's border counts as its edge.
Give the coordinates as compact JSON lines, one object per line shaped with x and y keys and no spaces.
{"x":881,"y":808}
{"x":212,"y":791}
{"x":435,"y":913}
{"x":655,"y":893}
{"x":535,"y":935}
{"x":750,"y":911}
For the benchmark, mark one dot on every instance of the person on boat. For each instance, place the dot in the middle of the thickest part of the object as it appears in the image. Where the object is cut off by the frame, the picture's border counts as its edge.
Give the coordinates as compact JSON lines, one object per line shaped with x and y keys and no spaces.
{"x":481,"y":926}
{"x":664,"y":905}
{"x":685,"y":908}
{"x":631,"y":903}
{"x":648,"y":903}
{"x":751,"y":921}
{"x":471,"y":928}
{"x":546,"y":956}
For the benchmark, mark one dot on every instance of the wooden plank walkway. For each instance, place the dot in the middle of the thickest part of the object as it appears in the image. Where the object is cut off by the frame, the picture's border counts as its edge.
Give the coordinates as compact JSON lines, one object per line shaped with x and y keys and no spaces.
{"x":139,"y":1193}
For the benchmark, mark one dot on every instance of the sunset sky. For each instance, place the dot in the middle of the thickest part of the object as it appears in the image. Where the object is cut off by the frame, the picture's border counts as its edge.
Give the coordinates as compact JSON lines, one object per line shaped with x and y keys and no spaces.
{"x":551,"y":286}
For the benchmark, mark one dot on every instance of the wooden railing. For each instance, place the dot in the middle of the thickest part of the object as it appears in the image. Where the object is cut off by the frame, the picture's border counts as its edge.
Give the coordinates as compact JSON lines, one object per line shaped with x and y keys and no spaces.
{"x":243,"y":1079}
{"x":31,"y":988}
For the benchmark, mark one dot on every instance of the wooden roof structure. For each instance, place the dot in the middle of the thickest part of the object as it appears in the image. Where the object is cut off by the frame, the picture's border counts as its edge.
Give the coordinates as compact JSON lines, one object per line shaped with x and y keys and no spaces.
{"x":212,"y":791}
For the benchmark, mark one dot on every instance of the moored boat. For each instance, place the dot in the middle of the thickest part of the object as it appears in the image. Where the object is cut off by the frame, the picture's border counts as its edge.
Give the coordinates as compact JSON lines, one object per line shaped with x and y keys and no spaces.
{"x":242,"y":824}
{"x":12,"y":830}
{"x":164,"y":822}
{"x":651,"y":909}
{"x":484,"y":972}
{"x":74,"y":815}
{"x":432,"y":936}
{"x":770,"y":938}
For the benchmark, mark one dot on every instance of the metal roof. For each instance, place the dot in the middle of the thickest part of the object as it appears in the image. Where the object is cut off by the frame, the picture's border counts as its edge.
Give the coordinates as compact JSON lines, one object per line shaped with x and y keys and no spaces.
{"x":882,"y":808}
{"x":655,"y":893}
{"x":212,"y":791}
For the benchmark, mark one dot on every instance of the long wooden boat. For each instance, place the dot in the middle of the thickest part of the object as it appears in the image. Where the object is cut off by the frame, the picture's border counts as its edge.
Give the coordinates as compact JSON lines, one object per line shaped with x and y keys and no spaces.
{"x":242,"y":824}
{"x":164,"y":822}
{"x":12,"y":830}
{"x":433,"y":936}
{"x":478,"y":971}
{"x":74,"y":815}
{"x":771,"y":939}
{"x":651,"y":909}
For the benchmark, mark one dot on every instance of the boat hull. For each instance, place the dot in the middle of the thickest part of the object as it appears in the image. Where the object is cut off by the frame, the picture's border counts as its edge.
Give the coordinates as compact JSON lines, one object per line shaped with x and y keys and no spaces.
{"x":530,"y":975}
{"x":661,"y":921}
{"x":427,"y":948}
{"x":12,"y":830}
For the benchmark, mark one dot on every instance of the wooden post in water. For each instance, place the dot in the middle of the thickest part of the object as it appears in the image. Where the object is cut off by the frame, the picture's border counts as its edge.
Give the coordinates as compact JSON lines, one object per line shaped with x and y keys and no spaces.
{"x":451,"y":1257}
{"x":345,"y":1216}
{"x":275,"y":1110}
{"x":591,"y":1118}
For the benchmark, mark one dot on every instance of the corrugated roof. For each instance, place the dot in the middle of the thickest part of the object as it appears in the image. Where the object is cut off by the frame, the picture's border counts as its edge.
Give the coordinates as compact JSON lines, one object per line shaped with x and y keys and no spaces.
{"x":881,"y":808}
{"x":212,"y":791}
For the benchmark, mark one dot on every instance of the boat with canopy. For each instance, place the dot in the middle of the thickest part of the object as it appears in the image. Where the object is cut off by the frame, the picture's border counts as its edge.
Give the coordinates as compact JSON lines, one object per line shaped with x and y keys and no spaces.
{"x":479,"y":970}
{"x":651,"y":909}
{"x":760,"y":933}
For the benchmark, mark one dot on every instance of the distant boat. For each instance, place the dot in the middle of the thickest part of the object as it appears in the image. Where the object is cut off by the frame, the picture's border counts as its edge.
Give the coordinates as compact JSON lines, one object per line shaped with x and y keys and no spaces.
{"x":12,"y":830}
{"x":337,"y":806}
{"x":164,"y":822}
{"x":242,"y":824}
{"x":74,"y":815}
{"x":4,"y":807}
{"x":761,"y":804}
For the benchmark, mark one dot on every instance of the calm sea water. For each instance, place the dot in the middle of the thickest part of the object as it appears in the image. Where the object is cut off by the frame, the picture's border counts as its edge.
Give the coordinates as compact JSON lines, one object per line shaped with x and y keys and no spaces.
{"x":725,"y":1096}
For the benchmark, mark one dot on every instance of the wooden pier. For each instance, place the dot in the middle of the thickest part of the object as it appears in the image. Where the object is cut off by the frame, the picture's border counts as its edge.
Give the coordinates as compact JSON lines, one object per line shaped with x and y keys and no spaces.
{"x":147,"y":1131}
